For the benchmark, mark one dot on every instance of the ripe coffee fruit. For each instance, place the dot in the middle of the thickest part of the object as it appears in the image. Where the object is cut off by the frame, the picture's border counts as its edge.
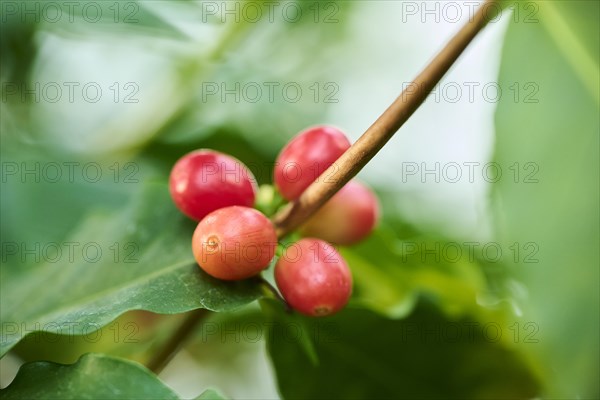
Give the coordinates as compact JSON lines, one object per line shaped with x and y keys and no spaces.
{"x":347,"y":218}
{"x":205,"y":180}
{"x":313,"y":278}
{"x":234,"y":243}
{"x":306,"y":157}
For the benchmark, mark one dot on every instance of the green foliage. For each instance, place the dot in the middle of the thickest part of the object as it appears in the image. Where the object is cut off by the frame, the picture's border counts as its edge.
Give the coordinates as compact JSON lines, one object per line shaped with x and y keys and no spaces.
{"x":384,"y":345}
{"x":94,"y":376}
{"x":558,"y":134}
{"x":390,"y":274}
{"x":135,"y":335}
{"x":156,"y":273}
{"x":424,"y":356}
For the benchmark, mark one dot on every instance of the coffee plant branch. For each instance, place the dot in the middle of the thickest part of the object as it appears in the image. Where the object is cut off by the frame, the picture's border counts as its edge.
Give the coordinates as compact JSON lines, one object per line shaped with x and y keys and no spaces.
{"x":380,"y":132}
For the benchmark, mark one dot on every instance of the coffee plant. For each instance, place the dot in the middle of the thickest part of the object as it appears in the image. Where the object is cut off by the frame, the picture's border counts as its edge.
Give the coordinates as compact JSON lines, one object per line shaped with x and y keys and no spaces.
{"x":299,"y":200}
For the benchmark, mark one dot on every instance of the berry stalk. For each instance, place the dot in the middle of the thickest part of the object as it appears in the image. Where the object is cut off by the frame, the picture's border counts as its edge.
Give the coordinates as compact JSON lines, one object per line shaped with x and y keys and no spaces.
{"x":381,"y":131}
{"x":191,"y":321}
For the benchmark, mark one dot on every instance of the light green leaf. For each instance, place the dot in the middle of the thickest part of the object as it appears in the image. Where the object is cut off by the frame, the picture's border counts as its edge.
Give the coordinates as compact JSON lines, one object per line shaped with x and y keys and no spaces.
{"x":390,"y":275}
{"x":551,"y":129}
{"x":94,"y":376}
{"x":132,"y":17}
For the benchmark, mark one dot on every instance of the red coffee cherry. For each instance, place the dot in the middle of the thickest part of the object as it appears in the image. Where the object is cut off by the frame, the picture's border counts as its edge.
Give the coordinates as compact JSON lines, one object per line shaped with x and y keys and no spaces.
{"x":305,"y":157}
{"x":313,"y":278}
{"x":234,"y":243}
{"x":205,"y":180}
{"x":347,"y":218}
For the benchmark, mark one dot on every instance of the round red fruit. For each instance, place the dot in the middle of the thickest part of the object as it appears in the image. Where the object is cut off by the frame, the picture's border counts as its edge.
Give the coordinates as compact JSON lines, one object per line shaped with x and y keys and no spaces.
{"x":234,"y":243}
{"x":347,"y":218}
{"x":313,"y":278}
{"x":205,"y":180}
{"x":306,"y":157}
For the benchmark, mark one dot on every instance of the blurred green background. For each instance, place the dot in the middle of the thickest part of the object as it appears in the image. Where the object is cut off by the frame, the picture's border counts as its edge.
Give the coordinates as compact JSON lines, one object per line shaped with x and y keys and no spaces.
{"x":99,"y":99}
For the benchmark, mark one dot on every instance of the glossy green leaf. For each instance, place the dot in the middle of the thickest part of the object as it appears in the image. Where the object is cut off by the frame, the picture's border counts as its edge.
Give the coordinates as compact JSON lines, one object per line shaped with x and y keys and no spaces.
{"x":425,"y":356}
{"x":145,"y":262}
{"x":94,"y":376}
{"x":548,"y":131}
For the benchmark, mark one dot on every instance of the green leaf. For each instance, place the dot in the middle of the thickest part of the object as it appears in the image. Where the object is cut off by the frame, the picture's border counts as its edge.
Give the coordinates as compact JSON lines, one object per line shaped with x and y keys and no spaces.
{"x":210,"y":395}
{"x":425,"y":356}
{"x":391,"y":274}
{"x":551,"y":131}
{"x":152,"y":270}
{"x":94,"y":376}
{"x":303,"y":335}
{"x":132,"y":17}
{"x":135,"y":335}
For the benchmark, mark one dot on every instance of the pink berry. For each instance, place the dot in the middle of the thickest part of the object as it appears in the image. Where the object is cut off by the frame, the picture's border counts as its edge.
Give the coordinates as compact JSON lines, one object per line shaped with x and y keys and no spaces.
{"x":205,"y":180}
{"x":313,"y":278}
{"x":234,"y":243}
{"x":347,"y":218}
{"x":306,"y":157}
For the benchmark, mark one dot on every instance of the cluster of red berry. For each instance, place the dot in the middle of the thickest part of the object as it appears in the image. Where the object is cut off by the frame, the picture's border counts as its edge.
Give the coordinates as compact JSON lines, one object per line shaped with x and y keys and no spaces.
{"x":235,"y":241}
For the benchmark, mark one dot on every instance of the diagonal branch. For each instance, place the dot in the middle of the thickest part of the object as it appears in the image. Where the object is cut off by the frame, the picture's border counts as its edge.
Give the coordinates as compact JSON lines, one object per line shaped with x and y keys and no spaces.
{"x":168,"y":350}
{"x":378,"y":134}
